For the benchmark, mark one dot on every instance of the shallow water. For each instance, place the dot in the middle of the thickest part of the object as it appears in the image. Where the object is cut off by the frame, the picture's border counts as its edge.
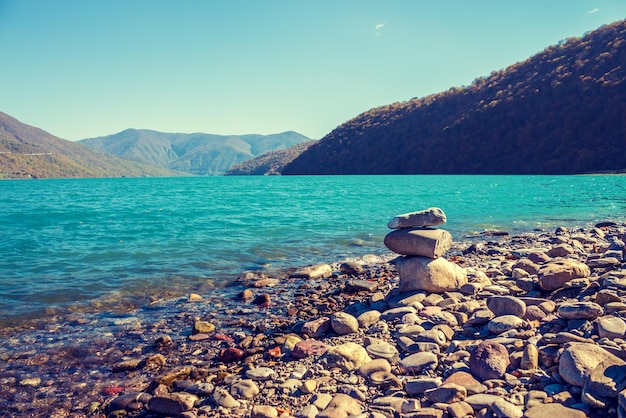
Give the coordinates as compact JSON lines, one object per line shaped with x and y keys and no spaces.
{"x":97,"y":242}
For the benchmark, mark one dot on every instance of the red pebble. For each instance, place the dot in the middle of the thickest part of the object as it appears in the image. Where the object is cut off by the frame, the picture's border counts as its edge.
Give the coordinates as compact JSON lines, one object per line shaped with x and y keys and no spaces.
{"x":307,"y":348}
{"x":112,"y":390}
{"x":223,"y":337}
{"x":230,"y":354}
{"x":274,"y":351}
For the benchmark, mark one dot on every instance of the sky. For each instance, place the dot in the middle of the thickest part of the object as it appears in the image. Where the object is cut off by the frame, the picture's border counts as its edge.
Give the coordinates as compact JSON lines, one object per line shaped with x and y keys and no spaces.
{"x":88,"y":68}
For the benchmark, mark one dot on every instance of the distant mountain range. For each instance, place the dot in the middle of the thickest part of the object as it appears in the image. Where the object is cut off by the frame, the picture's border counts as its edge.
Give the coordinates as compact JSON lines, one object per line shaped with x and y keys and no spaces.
{"x":29,"y":152}
{"x":562,"y":111}
{"x":197,"y":153}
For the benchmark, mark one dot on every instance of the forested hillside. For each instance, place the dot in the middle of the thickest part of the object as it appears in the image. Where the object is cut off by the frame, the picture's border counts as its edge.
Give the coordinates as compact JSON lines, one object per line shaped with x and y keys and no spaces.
{"x":562,"y":111}
{"x":29,"y":152}
{"x":269,"y":163}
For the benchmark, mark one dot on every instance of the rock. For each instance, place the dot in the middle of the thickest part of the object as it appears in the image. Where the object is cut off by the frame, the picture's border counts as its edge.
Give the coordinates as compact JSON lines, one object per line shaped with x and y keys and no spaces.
{"x":317,"y":327}
{"x":341,"y":406}
{"x":348,"y":356}
{"x":431,"y":243}
{"x":553,"y":410}
{"x":260,"y":373}
{"x":578,"y":360}
{"x":481,"y":400}
{"x":203,"y":327}
{"x":504,"y":409}
{"x":418,"y":362}
{"x":382,"y":350}
{"x":580,"y":310}
{"x":309,"y":411}
{"x":562,"y":250}
{"x":504,"y":323}
{"x":350,"y":268}
{"x":318,"y":271}
{"x":530,"y":357}
{"x":245,"y":388}
{"x":466,"y":380}
{"x":446,"y":393}
{"x":222,"y":398}
{"x":607,"y":380}
{"x":433,"y":276}
{"x":489,"y":360}
{"x":308,"y":348}
{"x":343,"y":323}
{"x":556,"y":273}
{"x":264,"y":411}
{"x":423,"y":218}
{"x":611,"y":327}
{"x":376,"y":365}
{"x":230,"y":355}
{"x":460,"y":410}
{"x":368,"y":318}
{"x":172,"y":403}
{"x":421,"y":385}
{"x":506,"y":305}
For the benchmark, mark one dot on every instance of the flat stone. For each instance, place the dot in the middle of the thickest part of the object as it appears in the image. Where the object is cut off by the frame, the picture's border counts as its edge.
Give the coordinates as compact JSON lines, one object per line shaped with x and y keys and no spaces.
{"x":607,"y":380}
{"x":376,"y":365}
{"x":481,"y":400}
{"x":431,"y":243}
{"x":310,"y":347}
{"x":317,"y":327}
{"x":309,"y":411}
{"x":260,"y":373}
{"x":489,"y":360}
{"x":245,"y":388}
{"x":418,"y":362}
{"x":553,"y":410}
{"x":611,"y":327}
{"x":427,"y":217}
{"x":434,"y":276}
{"x":382,"y":350}
{"x":555,"y":274}
{"x":393,"y":314}
{"x":578,"y":360}
{"x":343,"y":323}
{"x":506,"y":305}
{"x":368,"y":318}
{"x":504,"y":323}
{"x":466,"y":380}
{"x":580,"y":310}
{"x":317,"y":271}
{"x":460,"y":410}
{"x":172,"y":403}
{"x":341,"y":405}
{"x":222,"y":398}
{"x":446,"y":393}
{"x":421,"y":385}
{"x":504,"y":409}
{"x":264,"y":411}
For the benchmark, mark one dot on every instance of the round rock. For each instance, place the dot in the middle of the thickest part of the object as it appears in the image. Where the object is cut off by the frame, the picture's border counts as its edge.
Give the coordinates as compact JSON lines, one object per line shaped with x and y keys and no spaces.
{"x":418,"y":362}
{"x":506,"y":305}
{"x":489,"y":360}
{"x":343,"y":323}
{"x":580,"y":310}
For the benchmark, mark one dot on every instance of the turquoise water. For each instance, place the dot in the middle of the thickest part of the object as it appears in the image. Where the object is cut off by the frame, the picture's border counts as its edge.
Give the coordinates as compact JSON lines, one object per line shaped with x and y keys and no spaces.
{"x":69,"y":242}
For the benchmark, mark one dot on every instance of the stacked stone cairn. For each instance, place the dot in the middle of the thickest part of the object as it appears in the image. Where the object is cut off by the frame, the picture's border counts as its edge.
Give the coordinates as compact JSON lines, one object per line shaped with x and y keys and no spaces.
{"x":421,"y":265}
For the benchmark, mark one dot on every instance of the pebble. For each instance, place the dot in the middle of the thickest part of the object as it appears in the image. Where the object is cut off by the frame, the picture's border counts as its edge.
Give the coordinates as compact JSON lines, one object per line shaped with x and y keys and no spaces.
{"x":343,"y":323}
{"x":489,"y":360}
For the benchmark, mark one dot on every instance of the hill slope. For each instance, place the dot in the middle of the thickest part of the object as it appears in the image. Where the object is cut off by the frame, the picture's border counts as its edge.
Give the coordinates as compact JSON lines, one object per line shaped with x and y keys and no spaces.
{"x":561,"y":111}
{"x":270,"y":163}
{"x":198,"y":153}
{"x":29,"y":152}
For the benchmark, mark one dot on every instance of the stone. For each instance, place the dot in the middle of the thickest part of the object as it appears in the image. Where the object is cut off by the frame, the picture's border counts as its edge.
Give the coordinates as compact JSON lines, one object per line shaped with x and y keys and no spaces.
{"x":309,"y":411}
{"x":434,"y":276}
{"x":368,"y":318}
{"x":578,"y":360}
{"x":555,"y":274}
{"x":260,"y":373}
{"x":504,"y":323}
{"x":489,"y":360}
{"x":481,"y":400}
{"x":321,"y":400}
{"x":348,"y":356}
{"x":580,"y":310}
{"x":446,"y":393}
{"x":419,"y":362}
{"x":431,"y":243}
{"x":607,"y":380}
{"x":561,"y":250}
{"x":530,"y":357}
{"x":351,"y":268}
{"x":553,"y":410}
{"x":264,"y":411}
{"x":310,"y":347}
{"x":222,"y":398}
{"x":466,"y":380}
{"x":318,"y":271}
{"x":172,"y":403}
{"x":427,"y":217}
{"x":421,"y":385}
{"x":343,"y":323}
{"x":504,"y":409}
{"x":317,"y":327}
{"x":203,"y":327}
{"x":460,"y":410}
{"x":382,"y":350}
{"x":386,"y":380}
{"x":506,"y":305}
{"x":611,"y":327}
{"x":340,"y":406}
{"x":376,"y":365}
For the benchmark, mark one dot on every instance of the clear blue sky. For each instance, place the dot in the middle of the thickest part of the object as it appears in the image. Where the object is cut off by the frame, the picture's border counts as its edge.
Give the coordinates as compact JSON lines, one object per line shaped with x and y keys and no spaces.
{"x":85,"y":68}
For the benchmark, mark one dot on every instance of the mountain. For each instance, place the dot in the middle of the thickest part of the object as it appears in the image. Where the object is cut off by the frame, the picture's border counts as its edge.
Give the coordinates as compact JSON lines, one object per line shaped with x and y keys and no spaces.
{"x":29,"y":152}
{"x":197,"y":153}
{"x":561,"y":111}
{"x":270,"y":163}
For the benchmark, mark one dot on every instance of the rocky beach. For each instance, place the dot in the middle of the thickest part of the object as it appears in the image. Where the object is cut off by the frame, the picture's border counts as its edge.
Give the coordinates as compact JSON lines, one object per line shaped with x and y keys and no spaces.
{"x":493,"y":325}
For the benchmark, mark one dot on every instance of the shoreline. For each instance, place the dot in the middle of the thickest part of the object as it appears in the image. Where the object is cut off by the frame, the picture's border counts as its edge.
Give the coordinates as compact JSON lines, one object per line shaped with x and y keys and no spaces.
{"x":82,"y":362}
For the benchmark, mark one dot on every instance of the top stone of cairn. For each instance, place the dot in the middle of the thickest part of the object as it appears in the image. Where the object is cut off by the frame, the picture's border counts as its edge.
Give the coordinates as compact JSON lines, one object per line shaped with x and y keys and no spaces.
{"x":422,"y":218}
